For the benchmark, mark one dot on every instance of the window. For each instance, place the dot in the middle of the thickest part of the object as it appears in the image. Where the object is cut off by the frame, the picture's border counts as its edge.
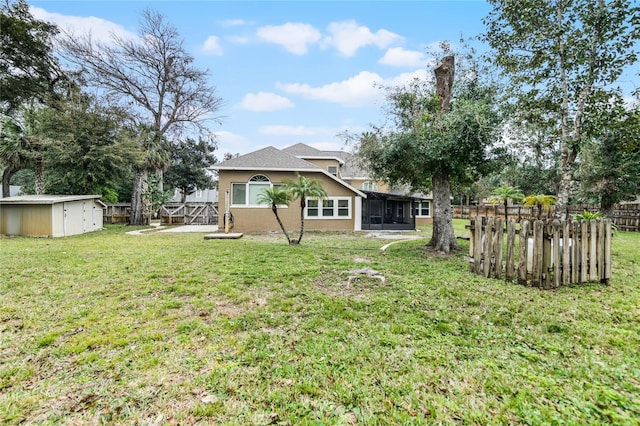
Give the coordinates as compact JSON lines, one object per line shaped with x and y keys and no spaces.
{"x":198,"y":193}
{"x":246,"y":194}
{"x":328,"y":208}
{"x":422,"y":209}
{"x":333,"y":170}
{"x":369,"y":186}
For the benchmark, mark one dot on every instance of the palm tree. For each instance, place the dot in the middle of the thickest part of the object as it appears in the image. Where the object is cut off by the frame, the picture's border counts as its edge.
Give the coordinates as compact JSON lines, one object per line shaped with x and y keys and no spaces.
{"x":12,"y":152}
{"x":503,"y":194}
{"x":302,"y":188}
{"x":541,"y":201}
{"x":274,"y":197}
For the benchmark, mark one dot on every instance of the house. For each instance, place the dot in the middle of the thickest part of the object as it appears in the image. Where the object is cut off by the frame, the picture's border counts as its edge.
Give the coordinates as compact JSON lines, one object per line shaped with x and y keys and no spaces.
{"x":354,"y":201}
{"x":207,"y":195}
{"x":50,"y":215}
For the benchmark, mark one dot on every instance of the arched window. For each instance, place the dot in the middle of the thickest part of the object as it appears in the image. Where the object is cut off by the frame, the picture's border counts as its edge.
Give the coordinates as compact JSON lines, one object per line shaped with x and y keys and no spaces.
{"x":246,"y":194}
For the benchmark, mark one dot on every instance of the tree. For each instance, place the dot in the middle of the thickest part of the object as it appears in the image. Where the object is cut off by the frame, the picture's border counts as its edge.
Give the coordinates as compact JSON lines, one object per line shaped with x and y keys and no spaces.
{"x":93,"y":153}
{"x":541,"y":202}
{"x":563,"y":58}
{"x":187,"y":171}
{"x":13,"y":151}
{"x":302,"y":188}
{"x":28,"y":69}
{"x":24,"y":145}
{"x":274,"y":197}
{"x":440,"y":134}
{"x":610,"y":168}
{"x":503,"y":194}
{"x":154,"y":78}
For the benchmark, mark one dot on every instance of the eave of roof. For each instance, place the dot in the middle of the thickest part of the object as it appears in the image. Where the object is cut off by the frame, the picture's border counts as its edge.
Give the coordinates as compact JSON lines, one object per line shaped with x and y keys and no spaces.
{"x":46,"y":199}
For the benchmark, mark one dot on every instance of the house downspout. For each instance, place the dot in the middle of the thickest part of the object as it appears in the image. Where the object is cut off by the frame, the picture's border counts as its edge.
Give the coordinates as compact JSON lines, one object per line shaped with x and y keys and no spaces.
{"x":227,"y":212}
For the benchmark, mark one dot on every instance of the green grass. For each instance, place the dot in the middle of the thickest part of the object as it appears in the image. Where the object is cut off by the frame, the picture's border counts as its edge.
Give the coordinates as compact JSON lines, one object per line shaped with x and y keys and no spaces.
{"x":175,"y":329}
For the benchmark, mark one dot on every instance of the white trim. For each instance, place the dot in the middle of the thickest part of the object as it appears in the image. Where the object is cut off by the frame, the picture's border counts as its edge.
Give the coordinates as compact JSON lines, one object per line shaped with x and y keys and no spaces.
{"x":419,"y":208}
{"x":357,"y":223}
{"x":335,"y":208}
{"x":320,"y":157}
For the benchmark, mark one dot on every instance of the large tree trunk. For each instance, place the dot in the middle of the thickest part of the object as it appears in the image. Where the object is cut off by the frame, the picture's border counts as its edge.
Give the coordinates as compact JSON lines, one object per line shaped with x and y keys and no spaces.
{"x":567,"y":160}
{"x":136,"y":216}
{"x":443,"y":238}
{"x":6,"y":179}
{"x":38,"y":171}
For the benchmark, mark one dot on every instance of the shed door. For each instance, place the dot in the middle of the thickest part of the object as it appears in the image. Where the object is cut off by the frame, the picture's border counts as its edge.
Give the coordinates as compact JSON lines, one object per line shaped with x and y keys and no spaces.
{"x":74,"y":218}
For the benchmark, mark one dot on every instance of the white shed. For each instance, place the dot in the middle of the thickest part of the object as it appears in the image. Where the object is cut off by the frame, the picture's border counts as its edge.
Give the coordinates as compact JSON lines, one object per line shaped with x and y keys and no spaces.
{"x":50,"y":215}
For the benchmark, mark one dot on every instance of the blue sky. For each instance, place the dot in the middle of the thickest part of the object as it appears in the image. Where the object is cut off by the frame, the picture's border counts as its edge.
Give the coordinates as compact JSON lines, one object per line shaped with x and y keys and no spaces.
{"x":291,"y":71}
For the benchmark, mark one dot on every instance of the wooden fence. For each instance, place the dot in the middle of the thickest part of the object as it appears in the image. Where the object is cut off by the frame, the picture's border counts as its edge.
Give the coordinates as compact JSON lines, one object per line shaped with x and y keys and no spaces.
{"x":117,"y":213}
{"x":170,"y":214}
{"x":545,"y":254}
{"x":189,"y":214}
{"x":626,"y":217}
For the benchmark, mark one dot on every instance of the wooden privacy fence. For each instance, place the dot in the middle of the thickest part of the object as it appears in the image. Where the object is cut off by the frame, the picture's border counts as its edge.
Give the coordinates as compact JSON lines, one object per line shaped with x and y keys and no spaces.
{"x":544,"y":254}
{"x":189,"y":214}
{"x":626,"y":217}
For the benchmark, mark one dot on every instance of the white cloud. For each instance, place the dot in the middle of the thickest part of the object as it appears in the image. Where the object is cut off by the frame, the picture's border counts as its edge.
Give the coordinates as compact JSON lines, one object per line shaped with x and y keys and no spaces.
{"x":279,"y":130}
{"x":100,"y":29}
{"x":348,"y":37}
{"x":399,"y":57}
{"x":406,"y":77}
{"x":238,"y":39}
{"x":359,"y":90}
{"x":263,"y":101}
{"x":233,"y":143}
{"x":212,"y":45}
{"x":294,"y":37}
{"x":233,"y":23}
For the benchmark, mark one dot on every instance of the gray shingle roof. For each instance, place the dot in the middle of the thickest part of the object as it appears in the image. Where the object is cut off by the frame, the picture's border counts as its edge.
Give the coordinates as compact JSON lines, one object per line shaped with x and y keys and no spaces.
{"x":266,"y":158}
{"x":303,"y":150}
{"x":350,"y":168}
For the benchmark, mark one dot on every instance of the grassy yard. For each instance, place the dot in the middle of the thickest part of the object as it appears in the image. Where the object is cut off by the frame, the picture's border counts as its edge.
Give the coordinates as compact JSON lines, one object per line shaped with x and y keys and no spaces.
{"x":173,"y":329}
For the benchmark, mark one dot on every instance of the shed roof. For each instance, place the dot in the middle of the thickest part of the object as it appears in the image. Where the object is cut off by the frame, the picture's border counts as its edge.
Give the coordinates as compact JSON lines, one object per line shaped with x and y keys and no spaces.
{"x":46,"y":199}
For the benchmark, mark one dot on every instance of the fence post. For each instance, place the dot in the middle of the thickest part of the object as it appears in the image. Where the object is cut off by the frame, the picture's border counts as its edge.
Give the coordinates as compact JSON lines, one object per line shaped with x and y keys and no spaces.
{"x":584,"y":251}
{"x":498,"y":238}
{"x":575,"y":252}
{"x":524,"y":243}
{"x":478,"y":249}
{"x":546,"y":254}
{"x":593,"y":251}
{"x":511,"y":243}
{"x":472,"y":234}
{"x":488,"y":245}
{"x":538,"y":252}
{"x":557,"y":266}
{"x":607,"y":250}
{"x":567,"y":242}
{"x":601,"y":244}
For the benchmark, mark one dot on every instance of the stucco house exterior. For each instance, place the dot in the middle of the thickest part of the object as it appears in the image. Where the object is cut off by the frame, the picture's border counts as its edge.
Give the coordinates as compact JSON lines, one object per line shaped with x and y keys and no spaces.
{"x":354,"y":202}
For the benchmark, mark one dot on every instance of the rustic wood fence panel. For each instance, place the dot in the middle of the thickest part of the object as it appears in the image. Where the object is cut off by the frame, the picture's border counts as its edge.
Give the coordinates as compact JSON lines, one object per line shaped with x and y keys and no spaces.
{"x":116,"y":213}
{"x":189,"y":214}
{"x":625,"y":217}
{"x":544,"y":254}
